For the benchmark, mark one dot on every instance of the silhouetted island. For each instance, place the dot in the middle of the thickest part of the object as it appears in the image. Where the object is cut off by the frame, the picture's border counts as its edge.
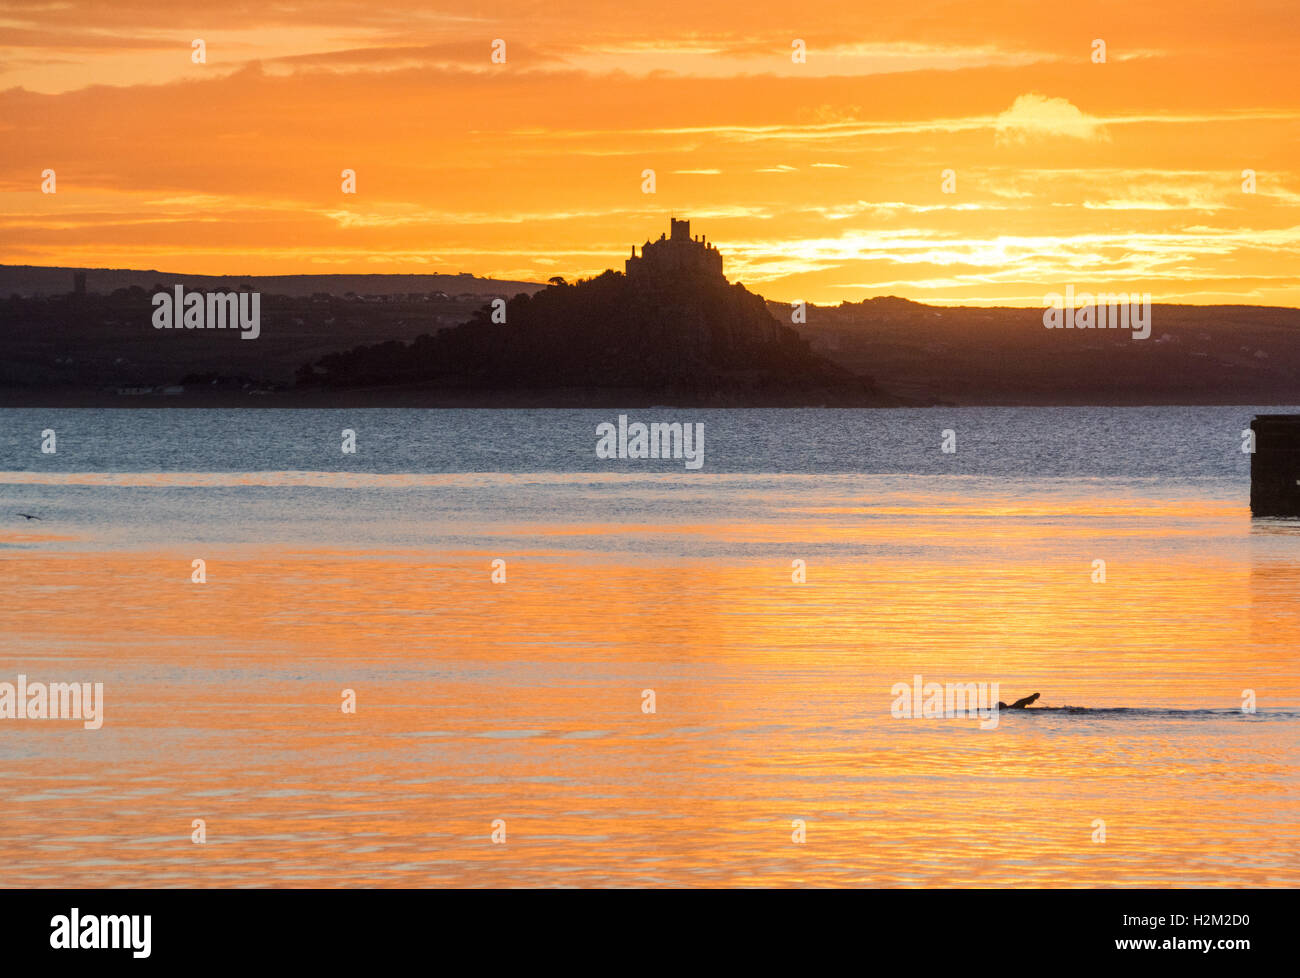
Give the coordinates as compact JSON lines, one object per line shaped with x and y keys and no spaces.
{"x":670,"y":329}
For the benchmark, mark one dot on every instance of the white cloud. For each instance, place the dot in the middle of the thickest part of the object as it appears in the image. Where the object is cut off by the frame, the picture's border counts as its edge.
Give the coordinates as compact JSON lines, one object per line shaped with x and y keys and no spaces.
{"x":1035,"y":115}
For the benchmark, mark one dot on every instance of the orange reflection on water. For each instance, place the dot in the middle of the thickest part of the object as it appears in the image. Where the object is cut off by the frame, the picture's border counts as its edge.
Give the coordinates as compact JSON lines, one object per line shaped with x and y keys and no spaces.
{"x":523,"y":701}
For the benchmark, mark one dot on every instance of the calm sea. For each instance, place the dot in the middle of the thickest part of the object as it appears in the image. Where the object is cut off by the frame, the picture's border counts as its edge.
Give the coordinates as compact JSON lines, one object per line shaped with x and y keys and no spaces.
{"x":520,"y":706}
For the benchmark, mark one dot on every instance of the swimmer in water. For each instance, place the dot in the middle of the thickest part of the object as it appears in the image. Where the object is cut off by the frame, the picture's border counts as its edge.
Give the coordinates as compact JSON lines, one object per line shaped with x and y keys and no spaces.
{"x":1019,"y":704}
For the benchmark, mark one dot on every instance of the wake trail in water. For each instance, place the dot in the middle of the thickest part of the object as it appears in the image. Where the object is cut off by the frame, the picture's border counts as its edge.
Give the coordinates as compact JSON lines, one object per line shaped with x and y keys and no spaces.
{"x":1156,"y":713}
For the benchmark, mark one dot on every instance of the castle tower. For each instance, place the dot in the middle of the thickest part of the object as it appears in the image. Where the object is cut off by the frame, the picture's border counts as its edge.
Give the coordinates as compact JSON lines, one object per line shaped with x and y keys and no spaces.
{"x":674,"y":255}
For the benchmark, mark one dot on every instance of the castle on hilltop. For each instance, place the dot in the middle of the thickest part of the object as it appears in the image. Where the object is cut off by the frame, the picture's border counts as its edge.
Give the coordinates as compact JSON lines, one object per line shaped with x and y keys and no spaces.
{"x":674,"y":255}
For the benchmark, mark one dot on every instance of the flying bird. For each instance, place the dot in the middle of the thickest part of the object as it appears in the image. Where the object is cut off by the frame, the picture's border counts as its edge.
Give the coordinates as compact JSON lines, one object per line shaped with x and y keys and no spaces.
{"x":28,"y":516}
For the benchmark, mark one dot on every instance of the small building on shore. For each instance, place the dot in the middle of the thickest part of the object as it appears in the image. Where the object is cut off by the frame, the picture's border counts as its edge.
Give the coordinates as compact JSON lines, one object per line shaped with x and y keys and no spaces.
{"x":1275,"y":465}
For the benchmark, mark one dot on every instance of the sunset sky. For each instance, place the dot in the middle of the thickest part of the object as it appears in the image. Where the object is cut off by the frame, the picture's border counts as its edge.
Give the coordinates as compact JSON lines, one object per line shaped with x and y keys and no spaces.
{"x":819,"y":181}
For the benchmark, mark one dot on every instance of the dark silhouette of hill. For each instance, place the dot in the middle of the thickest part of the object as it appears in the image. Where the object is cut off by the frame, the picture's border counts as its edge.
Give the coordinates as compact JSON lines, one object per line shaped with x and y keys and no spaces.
{"x":74,"y":349}
{"x":1003,"y":355}
{"x":41,"y":280}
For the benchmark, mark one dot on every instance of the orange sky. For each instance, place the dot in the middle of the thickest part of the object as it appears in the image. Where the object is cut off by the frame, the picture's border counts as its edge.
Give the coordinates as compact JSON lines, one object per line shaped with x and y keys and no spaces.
{"x":819,"y":181}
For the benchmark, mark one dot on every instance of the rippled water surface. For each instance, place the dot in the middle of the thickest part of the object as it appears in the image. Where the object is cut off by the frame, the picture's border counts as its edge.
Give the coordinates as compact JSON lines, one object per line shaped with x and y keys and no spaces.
{"x":523,"y":700}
